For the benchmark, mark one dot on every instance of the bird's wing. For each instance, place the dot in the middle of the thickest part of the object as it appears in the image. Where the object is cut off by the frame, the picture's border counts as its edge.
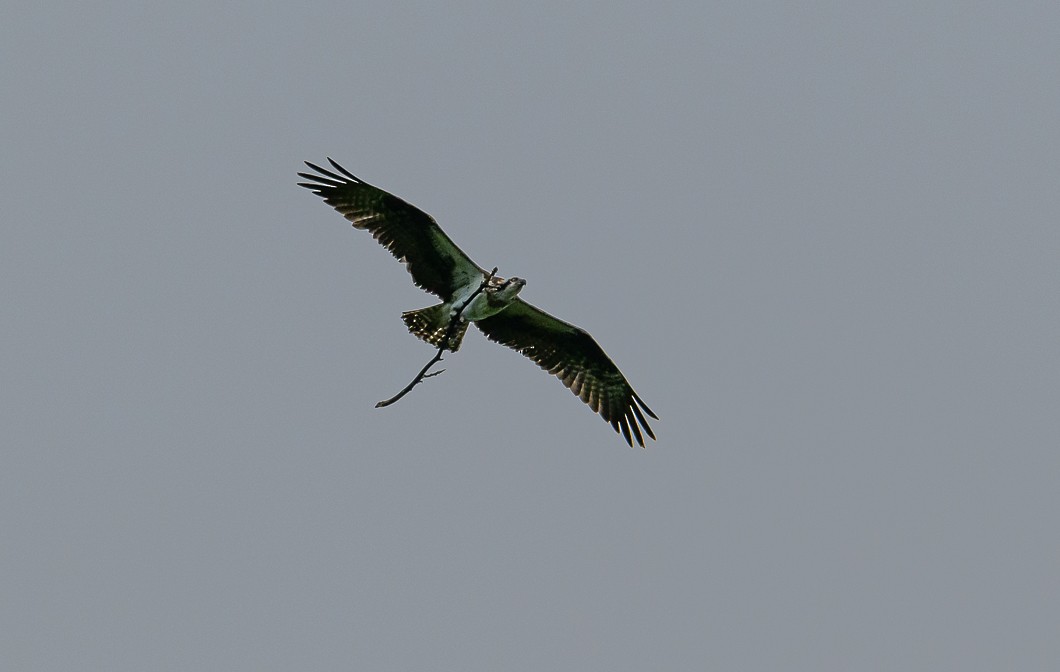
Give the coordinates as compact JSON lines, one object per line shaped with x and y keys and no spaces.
{"x":412,"y":236}
{"x":572,"y":355}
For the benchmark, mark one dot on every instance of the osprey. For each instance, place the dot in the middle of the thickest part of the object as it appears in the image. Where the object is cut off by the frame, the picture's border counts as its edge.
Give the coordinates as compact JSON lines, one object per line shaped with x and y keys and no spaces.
{"x":438,"y":266}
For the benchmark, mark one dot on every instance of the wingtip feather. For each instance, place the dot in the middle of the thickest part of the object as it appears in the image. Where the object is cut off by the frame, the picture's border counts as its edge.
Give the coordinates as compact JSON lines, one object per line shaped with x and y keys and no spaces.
{"x":643,"y":422}
{"x":339,"y":180}
{"x":343,"y":170}
{"x":623,"y":422}
{"x":636,"y":431}
{"x":643,"y":405}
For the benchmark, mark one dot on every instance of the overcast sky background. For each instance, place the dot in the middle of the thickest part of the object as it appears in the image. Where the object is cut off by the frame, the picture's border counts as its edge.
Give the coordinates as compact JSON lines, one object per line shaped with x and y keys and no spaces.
{"x":821,"y":240}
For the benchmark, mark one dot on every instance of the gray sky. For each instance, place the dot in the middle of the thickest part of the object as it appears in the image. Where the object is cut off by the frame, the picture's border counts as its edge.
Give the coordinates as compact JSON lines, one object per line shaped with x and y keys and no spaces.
{"x":821,"y":241}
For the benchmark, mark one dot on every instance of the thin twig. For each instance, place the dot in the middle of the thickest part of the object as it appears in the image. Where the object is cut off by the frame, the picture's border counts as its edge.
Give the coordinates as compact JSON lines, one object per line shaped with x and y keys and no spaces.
{"x":454,"y":322}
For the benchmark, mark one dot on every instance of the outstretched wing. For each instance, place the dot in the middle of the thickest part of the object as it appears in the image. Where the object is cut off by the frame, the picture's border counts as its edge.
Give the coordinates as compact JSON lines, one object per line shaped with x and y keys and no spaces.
{"x":571,"y":355}
{"x":412,"y":236}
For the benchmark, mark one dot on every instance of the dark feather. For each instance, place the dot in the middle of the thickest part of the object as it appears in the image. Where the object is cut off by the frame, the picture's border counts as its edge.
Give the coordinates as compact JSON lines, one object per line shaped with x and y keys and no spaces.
{"x":412,"y":236}
{"x":572,"y":355}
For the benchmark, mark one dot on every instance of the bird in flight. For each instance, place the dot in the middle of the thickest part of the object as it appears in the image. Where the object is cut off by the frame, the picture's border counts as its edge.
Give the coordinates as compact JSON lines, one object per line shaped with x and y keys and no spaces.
{"x":492,"y":303}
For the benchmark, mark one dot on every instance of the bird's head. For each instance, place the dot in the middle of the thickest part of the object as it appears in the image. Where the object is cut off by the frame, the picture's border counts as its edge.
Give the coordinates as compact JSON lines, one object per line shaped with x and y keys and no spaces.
{"x":502,"y":292}
{"x":505,"y":290}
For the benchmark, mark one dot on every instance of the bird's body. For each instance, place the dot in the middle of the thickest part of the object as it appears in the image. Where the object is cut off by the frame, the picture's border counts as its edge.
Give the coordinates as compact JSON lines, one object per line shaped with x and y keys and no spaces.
{"x":438,"y":266}
{"x":432,"y":323}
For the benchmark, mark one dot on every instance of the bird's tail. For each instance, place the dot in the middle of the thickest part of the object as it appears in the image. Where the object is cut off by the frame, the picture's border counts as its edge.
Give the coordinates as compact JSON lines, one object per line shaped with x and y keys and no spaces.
{"x":431,"y":323}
